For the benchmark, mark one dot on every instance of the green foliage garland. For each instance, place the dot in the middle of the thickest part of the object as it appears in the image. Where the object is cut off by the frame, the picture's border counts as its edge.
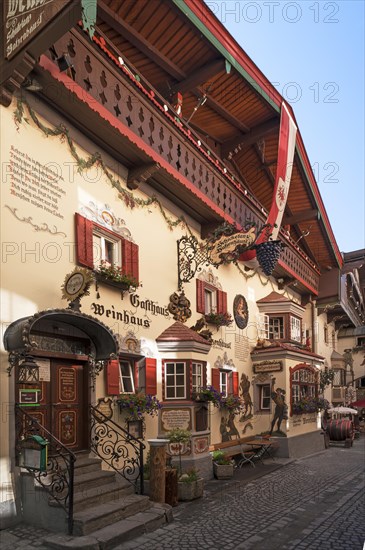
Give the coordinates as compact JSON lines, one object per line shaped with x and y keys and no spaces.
{"x":95,"y":159}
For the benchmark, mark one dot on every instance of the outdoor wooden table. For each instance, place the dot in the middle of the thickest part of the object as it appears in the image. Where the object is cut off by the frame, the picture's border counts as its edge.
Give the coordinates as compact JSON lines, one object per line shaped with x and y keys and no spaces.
{"x":266,"y":444}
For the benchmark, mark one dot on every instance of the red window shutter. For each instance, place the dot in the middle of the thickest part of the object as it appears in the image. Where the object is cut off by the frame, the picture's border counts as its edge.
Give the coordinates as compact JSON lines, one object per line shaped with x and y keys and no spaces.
{"x":216,"y":379}
{"x":151,"y":376}
{"x":200,"y":298}
{"x":221,"y":301}
{"x":130,"y":260}
{"x":235,"y":383}
{"x":112,"y":377}
{"x":84,"y":241}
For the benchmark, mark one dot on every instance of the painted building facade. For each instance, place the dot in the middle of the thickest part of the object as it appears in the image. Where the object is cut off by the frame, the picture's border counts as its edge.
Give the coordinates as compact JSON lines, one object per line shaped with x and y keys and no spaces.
{"x":114,"y":202}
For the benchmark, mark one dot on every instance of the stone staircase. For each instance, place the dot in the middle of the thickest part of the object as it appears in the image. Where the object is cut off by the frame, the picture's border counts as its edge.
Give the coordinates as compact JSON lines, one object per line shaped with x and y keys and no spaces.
{"x":106,"y":510}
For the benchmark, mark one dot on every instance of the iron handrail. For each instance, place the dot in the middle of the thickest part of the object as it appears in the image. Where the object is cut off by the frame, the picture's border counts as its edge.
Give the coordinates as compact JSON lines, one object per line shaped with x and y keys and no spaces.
{"x":58,"y":478}
{"x":113,"y":444}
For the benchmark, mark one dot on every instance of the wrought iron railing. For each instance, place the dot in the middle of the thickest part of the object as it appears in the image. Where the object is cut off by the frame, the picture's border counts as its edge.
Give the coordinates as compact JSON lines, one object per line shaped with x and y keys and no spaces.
{"x":117,"y":448}
{"x":58,"y":476}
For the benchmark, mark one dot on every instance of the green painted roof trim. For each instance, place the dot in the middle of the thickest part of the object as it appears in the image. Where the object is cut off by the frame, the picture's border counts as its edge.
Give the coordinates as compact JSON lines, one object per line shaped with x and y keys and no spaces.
{"x":315,"y":198}
{"x":219,"y":46}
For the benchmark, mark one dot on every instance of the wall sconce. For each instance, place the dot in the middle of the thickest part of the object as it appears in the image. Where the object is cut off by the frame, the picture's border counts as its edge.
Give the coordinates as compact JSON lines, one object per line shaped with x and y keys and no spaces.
{"x":64,"y":62}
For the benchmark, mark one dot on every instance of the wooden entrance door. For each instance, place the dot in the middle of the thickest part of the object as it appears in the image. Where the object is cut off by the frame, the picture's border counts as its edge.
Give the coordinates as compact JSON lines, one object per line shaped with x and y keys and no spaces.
{"x":63,"y":403}
{"x":69,"y":403}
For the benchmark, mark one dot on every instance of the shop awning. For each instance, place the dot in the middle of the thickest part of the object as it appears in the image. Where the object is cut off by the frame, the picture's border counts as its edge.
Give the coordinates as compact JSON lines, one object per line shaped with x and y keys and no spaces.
{"x":18,"y":336}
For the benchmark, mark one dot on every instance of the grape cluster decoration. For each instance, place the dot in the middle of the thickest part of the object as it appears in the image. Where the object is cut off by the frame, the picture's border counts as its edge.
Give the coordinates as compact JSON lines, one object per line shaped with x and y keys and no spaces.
{"x":267,"y":254}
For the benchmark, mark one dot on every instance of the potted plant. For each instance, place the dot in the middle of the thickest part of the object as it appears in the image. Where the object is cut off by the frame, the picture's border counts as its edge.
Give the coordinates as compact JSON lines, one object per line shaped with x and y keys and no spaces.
{"x":178,"y":440}
{"x":223,"y":465}
{"x":190,"y":486}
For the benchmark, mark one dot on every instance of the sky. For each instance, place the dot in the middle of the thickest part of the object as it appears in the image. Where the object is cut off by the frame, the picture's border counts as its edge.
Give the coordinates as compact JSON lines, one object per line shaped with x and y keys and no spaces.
{"x":313,"y":53}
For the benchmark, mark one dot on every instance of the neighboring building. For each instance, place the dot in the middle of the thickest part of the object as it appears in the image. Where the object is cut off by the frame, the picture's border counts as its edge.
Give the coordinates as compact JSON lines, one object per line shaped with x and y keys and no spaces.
{"x":131,"y":149}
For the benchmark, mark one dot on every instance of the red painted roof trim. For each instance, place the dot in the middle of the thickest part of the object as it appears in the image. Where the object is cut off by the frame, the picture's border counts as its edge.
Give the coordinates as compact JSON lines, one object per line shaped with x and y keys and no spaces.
{"x":201,"y":10}
{"x":86,"y":98}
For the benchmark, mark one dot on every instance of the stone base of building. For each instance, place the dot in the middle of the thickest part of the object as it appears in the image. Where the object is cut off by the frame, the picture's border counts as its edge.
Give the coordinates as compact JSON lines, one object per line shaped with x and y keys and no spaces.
{"x":298,"y":446}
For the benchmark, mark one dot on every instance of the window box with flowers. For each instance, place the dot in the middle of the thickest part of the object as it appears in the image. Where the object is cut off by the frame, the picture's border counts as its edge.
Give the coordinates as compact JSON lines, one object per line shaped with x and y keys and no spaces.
{"x":310,"y":405}
{"x":114,"y":275}
{"x":219,"y":319}
{"x":136,"y":405}
{"x":207,"y":395}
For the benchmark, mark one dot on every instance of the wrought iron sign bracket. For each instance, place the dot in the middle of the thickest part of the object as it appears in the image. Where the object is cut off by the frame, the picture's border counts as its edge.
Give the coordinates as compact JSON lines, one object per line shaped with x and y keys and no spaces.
{"x":191,"y":258}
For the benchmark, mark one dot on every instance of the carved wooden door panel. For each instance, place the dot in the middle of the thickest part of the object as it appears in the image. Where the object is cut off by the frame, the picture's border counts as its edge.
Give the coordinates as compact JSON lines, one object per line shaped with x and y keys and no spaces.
{"x":69,"y":404}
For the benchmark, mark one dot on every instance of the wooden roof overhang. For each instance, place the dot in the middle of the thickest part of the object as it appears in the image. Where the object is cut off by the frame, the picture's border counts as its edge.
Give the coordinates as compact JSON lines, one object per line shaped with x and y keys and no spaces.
{"x":141,"y":133}
{"x":180,"y":46}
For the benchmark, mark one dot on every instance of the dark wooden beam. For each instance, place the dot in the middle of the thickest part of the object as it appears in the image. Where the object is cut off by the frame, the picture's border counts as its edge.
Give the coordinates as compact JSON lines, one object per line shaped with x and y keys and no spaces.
{"x":140,"y":174}
{"x":201,"y":75}
{"x":244,"y":140}
{"x":304,"y":216}
{"x":126,"y":31}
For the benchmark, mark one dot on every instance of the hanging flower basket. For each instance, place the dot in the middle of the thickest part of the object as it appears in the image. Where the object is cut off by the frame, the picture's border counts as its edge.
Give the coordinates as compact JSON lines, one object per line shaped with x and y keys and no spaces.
{"x":267,"y":254}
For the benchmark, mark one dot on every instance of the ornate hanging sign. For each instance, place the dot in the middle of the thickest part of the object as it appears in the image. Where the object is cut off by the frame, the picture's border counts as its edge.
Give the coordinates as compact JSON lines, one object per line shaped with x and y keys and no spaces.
{"x":225,"y":246}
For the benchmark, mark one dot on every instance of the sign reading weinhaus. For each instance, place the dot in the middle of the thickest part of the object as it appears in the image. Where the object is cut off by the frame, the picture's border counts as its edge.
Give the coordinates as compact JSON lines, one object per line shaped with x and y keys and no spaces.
{"x":23,"y":19}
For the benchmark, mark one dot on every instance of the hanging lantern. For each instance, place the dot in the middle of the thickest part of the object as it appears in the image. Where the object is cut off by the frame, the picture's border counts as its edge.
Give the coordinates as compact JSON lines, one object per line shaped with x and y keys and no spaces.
{"x":267,"y":254}
{"x":28,"y":371}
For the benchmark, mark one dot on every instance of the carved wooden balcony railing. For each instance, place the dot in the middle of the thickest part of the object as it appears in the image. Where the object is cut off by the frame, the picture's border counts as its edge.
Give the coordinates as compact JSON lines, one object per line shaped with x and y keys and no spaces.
{"x":97,"y":70}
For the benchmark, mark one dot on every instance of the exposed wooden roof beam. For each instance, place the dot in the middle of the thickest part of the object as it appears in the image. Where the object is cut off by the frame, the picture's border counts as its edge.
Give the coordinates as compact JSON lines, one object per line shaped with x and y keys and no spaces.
{"x":251,"y":137}
{"x":201,"y":75}
{"x":130,"y":34}
{"x":304,"y":216}
{"x":126,"y":31}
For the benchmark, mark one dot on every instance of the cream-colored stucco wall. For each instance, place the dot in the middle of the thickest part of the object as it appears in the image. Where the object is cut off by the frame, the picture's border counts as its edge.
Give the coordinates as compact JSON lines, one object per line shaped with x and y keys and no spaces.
{"x":38,"y":251}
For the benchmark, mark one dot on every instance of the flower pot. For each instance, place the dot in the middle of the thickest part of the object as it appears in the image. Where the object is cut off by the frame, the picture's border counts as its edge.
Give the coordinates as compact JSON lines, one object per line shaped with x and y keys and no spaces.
{"x":190,"y":490}
{"x":223,"y":471}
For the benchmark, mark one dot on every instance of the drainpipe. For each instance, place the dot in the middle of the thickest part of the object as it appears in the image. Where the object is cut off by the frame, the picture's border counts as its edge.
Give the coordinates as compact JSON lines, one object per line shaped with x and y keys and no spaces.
{"x":313,"y":321}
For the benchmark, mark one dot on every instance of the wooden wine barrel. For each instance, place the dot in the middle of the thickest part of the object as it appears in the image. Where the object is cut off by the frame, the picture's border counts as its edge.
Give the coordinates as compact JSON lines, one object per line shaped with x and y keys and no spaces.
{"x":340,"y":429}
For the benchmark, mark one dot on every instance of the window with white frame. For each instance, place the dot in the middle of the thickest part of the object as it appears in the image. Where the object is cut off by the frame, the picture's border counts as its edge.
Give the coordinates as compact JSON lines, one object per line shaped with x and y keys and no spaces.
{"x":126,"y":376}
{"x":210,"y":301}
{"x":197,"y":377}
{"x":303,"y":383}
{"x":106,"y":248}
{"x":226,"y":382}
{"x":96,"y":244}
{"x":276,"y":328}
{"x":295,"y":329}
{"x":175,"y":380}
{"x":262,"y":326}
{"x":265,"y":396}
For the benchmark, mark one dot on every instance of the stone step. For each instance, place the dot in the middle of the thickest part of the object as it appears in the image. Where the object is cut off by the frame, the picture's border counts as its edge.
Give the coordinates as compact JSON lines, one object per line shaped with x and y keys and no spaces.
{"x":92,"y":519}
{"x":99,"y":495}
{"x":112,"y":535}
{"x":84,"y":465}
{"x":92,"y":479}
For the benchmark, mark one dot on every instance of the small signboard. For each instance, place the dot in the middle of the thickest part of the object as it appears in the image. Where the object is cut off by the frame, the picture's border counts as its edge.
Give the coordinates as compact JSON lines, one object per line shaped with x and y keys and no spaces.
{"x":29,"y":397}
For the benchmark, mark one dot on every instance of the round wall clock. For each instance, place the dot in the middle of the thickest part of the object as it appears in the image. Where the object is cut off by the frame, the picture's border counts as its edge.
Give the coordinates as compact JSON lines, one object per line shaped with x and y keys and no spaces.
{"x":76,"y":284}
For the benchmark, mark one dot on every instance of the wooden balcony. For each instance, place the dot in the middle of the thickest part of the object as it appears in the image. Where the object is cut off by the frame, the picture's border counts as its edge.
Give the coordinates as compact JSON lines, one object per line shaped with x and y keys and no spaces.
{"x":145,"y":134}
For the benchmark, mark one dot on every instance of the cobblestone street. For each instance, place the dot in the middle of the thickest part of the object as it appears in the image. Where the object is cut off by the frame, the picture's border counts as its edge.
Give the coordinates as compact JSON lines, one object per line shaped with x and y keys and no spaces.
{"x":316,"y":502}
{"x":311,"y":503}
